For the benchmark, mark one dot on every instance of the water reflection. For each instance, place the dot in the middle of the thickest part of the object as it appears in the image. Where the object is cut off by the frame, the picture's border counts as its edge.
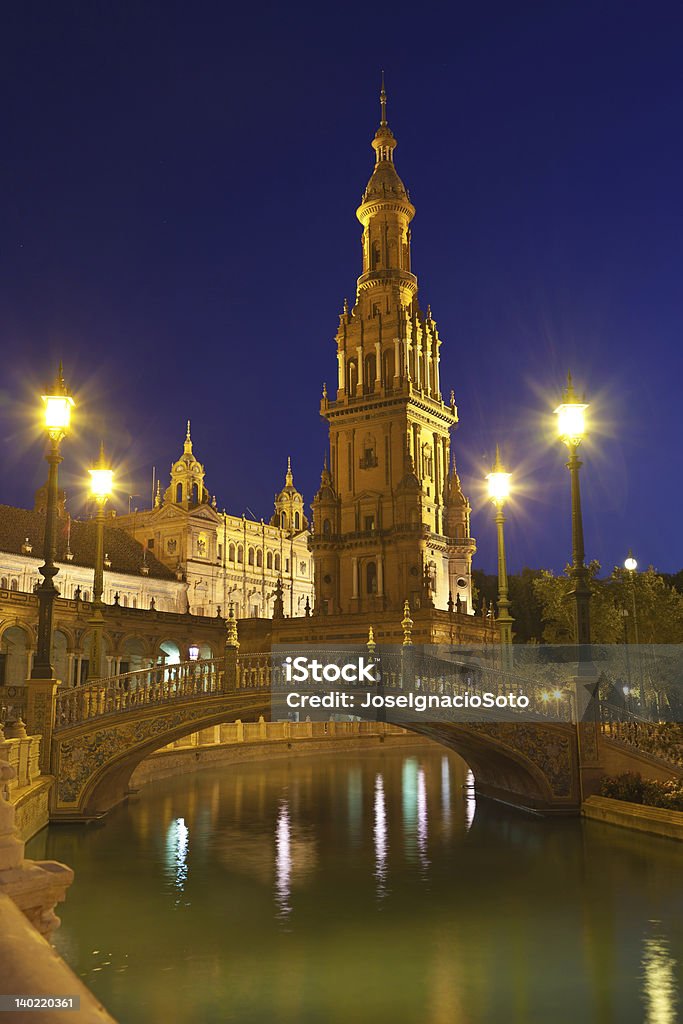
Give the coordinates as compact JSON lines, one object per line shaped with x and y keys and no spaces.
{"x":287,"y":915}
{"x":380,"y":836}
{"x":283,"y":861}
{"x":422,"y":823}
{"x":177,"y":843}
{"x":470,"y":799}
{"x":659,"y":987}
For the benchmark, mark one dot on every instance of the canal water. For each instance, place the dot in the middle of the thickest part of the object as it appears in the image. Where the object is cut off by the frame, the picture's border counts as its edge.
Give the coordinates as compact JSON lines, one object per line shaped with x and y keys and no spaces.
{"x":366,"y":888}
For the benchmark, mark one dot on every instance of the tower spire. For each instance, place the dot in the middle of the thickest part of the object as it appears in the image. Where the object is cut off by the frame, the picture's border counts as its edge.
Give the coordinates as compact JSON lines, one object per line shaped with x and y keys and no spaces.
{"x":383,"y":103}
{"x":289,"y":478}
{"x":188,"y":440}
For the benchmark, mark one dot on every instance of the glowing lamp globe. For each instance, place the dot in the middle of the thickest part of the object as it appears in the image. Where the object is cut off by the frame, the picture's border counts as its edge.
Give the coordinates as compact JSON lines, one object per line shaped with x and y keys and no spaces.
{"x":630,"y":563}
{"x":571,"y":416}
{"x":101,"y":483}
{"x":498,"y":482}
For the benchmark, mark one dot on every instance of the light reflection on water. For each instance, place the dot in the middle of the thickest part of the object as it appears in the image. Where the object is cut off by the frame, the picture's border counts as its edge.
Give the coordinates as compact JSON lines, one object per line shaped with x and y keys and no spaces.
{"x":297,"y":892}
{"x":380,"y":835}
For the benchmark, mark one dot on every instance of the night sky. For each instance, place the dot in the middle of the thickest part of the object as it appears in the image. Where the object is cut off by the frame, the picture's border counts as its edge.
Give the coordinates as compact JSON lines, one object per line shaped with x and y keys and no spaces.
{"x":178,"y":194}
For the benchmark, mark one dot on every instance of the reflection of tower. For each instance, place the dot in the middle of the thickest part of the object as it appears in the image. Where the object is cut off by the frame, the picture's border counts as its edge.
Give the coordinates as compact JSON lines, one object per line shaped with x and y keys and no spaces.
{"x":380,"y":516}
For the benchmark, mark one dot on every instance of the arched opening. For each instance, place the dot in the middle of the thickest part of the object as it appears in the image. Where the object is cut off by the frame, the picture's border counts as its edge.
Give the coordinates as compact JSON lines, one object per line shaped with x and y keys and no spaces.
{"x":170,"y":652}
{"x":60,"y":660}
{"x":240,"y":554}
{"x":375,"y":256}
{"x":326,"y":528}
{"x":297,"y":521}
{"x":134,"y":655}
{"x":3,"y":583}
{"x":250,"y":556}
{"x":14,"y":656}
{"x":283,"y":520}
{"x":277,"y":563}
{"x":231,"y":553}
{"x":371,"y":578}
{"x":15,"y":585}
{"x":195,"y":494}
{"x":259,"y":559}
{"x":179,"y":493}
{"x":269,"y":560}
{"x":370,"y":372}
{"x":351,"y":376}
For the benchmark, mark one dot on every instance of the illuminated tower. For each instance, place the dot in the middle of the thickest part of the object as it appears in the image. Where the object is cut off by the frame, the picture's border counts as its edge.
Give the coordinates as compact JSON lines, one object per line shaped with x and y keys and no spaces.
{"x":384,"y":518}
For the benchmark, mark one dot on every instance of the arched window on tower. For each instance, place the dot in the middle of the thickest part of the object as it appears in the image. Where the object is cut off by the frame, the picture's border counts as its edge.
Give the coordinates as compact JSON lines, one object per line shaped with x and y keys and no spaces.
{"x":283,"y":520}
{"x":269,"y":560}
{"x":259,"y":559}
{"x":240,"y":553}
{"x":370,"y":372}
{"x":3,"y":583}
{"x":297,"y":521}
{"x":352,"y":376}
{"x":375,"y":256}
{"x":388,"y":368}
{"x":195,"y":494}
{"x":14,"y":585}
{"x":250,"y":556}
{"x":231,"y":553}
{"x":277,"y":563}
{"x":326,"y":528}
{"x":371,"y":578}
{"x":179,"y":493}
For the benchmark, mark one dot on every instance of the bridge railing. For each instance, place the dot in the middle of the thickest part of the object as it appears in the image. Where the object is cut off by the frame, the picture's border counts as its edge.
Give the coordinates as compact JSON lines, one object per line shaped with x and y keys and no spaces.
{"x":663,"y":740}
{"x":156,"y":685}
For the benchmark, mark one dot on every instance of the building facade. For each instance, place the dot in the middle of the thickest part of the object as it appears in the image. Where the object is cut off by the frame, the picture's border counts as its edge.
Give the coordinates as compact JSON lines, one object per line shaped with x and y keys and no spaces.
{"x":223,"y":559}
{"x":390,"y":520}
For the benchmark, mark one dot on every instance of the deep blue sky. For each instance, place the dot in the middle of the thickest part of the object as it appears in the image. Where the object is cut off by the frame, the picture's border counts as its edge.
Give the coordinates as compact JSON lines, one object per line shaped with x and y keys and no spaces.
{"x":178,"y":186}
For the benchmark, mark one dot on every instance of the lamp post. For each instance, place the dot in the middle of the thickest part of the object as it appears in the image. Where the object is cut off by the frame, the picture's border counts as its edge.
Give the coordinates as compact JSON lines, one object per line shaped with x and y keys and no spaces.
{"x":101,"y":478}
{"x":571,"y":428}
{"x":631,"y":565}
{"x":57,"y":416}
{"x":499,"y":492}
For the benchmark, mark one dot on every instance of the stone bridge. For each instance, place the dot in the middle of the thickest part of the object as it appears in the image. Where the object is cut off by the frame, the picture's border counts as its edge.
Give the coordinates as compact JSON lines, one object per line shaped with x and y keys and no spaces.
{"x":103,"y":730}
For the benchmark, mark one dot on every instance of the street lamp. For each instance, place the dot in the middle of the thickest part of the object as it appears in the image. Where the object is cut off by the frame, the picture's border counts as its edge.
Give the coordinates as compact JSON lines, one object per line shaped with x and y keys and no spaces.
{"x":631,"y":565}
{"x":57,"y":416}
{"x":101,"y":481}
{"x":571,"y":428}
{"x":499,"y":492}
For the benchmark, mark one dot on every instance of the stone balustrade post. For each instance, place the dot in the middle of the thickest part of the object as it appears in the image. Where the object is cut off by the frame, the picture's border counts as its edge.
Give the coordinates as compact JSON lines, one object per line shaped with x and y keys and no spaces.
{"x":40,"y":716}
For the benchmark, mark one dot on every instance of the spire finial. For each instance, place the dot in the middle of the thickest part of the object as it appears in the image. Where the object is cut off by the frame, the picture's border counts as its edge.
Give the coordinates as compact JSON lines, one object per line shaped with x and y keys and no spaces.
{"x":187,"y":435}
{"x":289,"y":479}
{"x":383,"y":103}
{"x":188,"y":440}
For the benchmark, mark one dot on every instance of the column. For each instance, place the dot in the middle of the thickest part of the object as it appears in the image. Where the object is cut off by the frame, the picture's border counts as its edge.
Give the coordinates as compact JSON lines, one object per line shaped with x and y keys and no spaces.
{"x":437,"y":382}
{"x":340,"y":371}
{"x":354,"y":562}
{"x":397,"y":365}
{"x":361,"y":374}
{"x":380,"y":576}
{"x":378,"y":365}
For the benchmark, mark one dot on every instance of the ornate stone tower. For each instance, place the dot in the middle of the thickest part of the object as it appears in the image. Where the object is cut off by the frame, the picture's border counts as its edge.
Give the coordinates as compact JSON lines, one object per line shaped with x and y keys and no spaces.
{"x":289,"y":506}
{"x":389,"y":523}
{"x":187,"y":479}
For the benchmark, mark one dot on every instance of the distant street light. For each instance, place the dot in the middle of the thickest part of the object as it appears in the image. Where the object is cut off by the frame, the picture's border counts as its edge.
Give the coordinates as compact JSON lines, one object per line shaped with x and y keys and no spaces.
{"x":499,"y":491}
{"x":57,"y":417}
{"x":631,"y":565}
{"x":101,"y":484}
